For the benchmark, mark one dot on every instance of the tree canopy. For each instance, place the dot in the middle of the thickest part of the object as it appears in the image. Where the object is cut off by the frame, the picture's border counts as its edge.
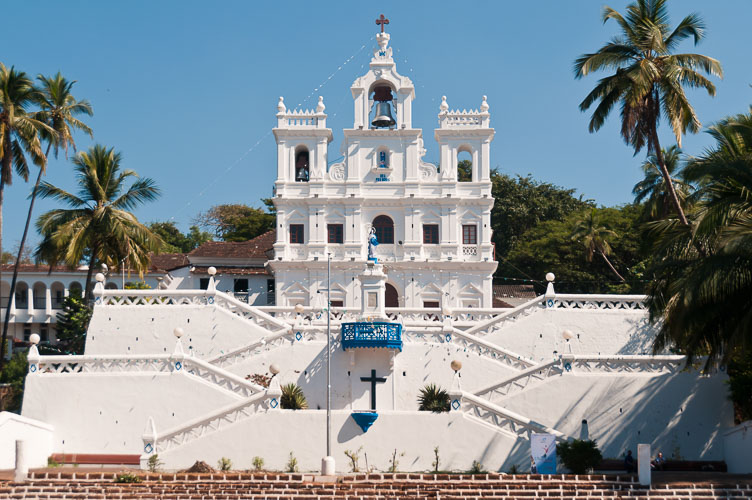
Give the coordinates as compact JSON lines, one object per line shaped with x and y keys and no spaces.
{"x":177,"y":242}
{"x":235,"y":222}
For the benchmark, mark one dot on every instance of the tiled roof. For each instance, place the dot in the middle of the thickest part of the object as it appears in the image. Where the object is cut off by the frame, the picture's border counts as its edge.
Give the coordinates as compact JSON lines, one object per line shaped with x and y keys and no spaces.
{"x":517,"y":291}
{"x":34,"y":268}
{"x":242,"y":271}
{"x":168,"y":261}
{"x":257,"y":248}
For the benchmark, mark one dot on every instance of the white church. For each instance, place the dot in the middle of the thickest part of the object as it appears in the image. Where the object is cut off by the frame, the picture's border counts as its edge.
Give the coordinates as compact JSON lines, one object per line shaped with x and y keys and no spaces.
{"x":177,"y":372}
{"x":434,"y":232}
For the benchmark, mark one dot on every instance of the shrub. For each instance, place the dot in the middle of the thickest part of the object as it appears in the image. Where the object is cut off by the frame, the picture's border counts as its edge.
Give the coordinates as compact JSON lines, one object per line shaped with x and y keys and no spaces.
{"x":13,"y":373}
{"x":127,"y":477}
{"x":292,"y":464}
{"x":258,"y":463}
{"x":436,"y":460}
{"x":354,"y":456}
{"x":154,"y":463}
{"x":224,"y":464}
{"x":394,"y":463}
{"x":579,"y":455}
{"x":293,"y":398}
{"x":476,"y":468}
{"x":514,"y":469}
{"x":433,"y":398}
{"x":740,"y":387}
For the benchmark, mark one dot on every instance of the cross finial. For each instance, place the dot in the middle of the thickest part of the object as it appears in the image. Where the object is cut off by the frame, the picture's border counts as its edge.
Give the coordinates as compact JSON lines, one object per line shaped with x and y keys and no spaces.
{"x":382,"y":21}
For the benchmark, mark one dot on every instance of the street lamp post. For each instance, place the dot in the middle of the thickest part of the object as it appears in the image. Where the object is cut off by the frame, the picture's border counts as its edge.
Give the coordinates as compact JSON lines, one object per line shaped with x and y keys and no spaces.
{"x":327,"y":464}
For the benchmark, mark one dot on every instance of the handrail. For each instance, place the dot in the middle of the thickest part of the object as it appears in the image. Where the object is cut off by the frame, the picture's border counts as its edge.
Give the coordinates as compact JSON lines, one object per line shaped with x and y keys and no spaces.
{"x":517,"y":376}
{"x":224,"y":359}
{"x":253,"y":310}
{"x":511,"y":416}
{"x":492,"y":347}
{"x":506,"y":315}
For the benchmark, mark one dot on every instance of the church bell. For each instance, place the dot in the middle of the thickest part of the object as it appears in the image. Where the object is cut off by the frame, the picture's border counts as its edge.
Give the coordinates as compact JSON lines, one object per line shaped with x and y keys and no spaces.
{"x":383,"y":115}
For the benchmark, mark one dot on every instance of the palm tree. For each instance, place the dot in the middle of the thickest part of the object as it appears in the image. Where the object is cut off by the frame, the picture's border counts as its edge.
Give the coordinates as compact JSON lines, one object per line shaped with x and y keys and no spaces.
{"x":98,"y":225}
{"x":58,"y":111}
{"x":653,"y":190}
{"x":595,"y":239}
{"x":649,"y":79}
{"x":19,"y":135}
{"x":703,"y":303}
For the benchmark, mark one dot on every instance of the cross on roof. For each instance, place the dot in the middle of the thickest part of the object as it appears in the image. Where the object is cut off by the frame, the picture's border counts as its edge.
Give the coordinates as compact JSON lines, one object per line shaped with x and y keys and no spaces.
{"x":382,"y":21}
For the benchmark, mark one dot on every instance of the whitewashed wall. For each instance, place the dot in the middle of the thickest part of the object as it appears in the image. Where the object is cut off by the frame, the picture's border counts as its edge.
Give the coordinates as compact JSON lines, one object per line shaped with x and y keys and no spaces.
{"x":36,"y":434}
{"x":738,"y":447}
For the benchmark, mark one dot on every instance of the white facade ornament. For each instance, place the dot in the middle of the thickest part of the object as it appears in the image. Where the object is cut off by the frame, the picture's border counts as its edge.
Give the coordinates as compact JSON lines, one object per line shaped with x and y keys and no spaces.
{"x":443,"y":107}
{"x":281,"y":108}
{"x":484,"y":105}
{"x":337,"y":172}
{"x":320,"y":106}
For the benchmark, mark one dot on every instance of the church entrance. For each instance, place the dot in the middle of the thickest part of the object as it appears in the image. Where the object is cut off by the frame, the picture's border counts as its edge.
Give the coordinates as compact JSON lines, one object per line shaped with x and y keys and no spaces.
{"x":391,"y":298}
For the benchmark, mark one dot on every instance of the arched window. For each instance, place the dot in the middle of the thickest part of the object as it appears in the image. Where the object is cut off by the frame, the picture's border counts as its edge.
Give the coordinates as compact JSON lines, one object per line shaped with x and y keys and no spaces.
{"x":464,"y":166}
{"x":384,"y":227}
{"x":382,"y":158}
{"x":302,"y":171}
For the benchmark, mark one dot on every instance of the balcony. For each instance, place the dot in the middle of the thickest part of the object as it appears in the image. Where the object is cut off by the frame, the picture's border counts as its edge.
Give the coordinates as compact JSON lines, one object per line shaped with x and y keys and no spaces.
{"x":375,"y":334}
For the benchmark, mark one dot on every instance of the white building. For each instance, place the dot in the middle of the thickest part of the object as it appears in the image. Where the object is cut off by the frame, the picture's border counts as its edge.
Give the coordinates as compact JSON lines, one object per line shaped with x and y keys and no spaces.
{"x":434,"y":232}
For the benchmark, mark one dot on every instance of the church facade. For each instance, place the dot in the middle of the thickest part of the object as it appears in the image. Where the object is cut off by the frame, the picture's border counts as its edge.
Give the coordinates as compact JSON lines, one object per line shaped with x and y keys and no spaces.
{"x":433,"y":230}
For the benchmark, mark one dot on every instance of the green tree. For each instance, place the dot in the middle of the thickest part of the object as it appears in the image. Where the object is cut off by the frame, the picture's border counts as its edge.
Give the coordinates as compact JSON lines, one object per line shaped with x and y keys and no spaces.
{"x":14,"y":373}
{"x":548,"y":247}
{"x":58,"y":109}
{"x":702,"y":301}
{"x":653,"y":191}
{"x":19,"y":136}
{"x":99,"y":224}
{"x":595,"y":239}
{"x":236,"y":222}
{"x":464,"y":171}
{"x":72,"y":323}
{"x":177,"y":242}
{"x":522,"y":203}
{"x":579,"y":455}
{"x":649,"y":79}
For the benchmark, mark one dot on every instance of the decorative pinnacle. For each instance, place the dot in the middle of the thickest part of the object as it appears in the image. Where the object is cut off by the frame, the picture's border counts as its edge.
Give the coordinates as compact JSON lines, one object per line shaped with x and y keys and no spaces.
{"x":484,"y":105}
{"x":281,"y":105}
{"x":444,"y":107}
{"x":320,"y":106}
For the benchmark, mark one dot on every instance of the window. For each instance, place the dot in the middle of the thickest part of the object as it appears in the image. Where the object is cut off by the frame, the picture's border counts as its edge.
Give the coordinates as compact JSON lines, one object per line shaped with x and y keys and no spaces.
{"x":469,"y":234}
{"x":44,"y":334}
{"x":338,"y":303}
{"x":464,"y":166}
{"x":241,"y":285}
{"x":334,"y":233}
{"x":430,"y":234}
{"x":27,"y":334}
{"x":430,"y":304}
{"x":270,"y":292}
{"x":296,"y":233}
{"x":203,"y":283}
{"x":384,"y":229}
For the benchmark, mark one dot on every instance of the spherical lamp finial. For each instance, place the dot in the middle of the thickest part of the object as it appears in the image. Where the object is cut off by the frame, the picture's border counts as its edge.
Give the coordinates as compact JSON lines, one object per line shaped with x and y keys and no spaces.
{"x":178,"y":332}
{"x":567,"y":335}
{"x":212,"y":270}
{"x":299,"y":308}
{"x":456,"y":365}
{"x":274,"y":369}
{"x":99,"y":277}
{"x":550,"y":277}
{"x":34,"y":338}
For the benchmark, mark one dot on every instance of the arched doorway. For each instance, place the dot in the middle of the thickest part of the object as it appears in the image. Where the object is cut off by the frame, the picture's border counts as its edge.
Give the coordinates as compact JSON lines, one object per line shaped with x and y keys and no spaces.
{"x":391,"y":298}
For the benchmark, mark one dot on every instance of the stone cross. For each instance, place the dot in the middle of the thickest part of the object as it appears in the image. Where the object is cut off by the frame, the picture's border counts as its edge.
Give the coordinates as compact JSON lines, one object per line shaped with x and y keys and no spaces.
{"x":382,"y":21}
{"x":373,"y":379}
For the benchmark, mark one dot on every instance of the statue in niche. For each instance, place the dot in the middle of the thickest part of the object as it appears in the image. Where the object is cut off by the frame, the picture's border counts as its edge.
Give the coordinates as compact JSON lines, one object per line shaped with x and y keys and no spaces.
{"x":373,"y":242}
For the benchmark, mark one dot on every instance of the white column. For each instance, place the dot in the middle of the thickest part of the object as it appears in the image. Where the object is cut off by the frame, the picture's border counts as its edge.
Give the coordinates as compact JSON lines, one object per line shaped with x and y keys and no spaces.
{"x":30,"y":300}
{"x":643,"y":463}
{"x":48,"y":301}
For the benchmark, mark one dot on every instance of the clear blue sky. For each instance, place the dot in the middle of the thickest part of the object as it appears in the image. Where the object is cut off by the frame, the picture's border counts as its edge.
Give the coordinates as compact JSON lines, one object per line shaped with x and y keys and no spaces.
{"x":186,"y":88}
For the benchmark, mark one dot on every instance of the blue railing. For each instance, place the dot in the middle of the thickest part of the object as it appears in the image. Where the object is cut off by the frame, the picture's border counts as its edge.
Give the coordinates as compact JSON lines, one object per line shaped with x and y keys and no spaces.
{"x":376,"y":334}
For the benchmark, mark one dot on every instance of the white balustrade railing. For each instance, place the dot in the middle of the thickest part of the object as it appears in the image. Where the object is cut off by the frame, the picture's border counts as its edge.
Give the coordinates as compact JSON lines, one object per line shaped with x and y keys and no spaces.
{"x":161,"y":363}
{"x":582,"y":364}
{"x":505,"y":420}
{"x":598,"y":302}
{"x":507,"y":316}
{"x":214,"y":422}
{"x":485,"y":348}
{"x":189,"y":298}
{"x":258,"y":347}
{"x":469,"y":249}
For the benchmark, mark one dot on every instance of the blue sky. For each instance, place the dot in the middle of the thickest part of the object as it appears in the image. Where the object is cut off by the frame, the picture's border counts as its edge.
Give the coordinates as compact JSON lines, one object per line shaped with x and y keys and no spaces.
{"x":187,"y":90}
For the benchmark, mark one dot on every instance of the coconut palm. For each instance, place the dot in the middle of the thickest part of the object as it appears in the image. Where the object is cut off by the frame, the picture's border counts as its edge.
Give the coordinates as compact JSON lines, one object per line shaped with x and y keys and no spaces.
{"x":58,"y":110}
{"x":595,"y":239}
{"x":98,"y":225}
{"x":649,"y":79}
{"x":703,"y":303}
{"x":653,"y":190}
{"x":19,"y":136}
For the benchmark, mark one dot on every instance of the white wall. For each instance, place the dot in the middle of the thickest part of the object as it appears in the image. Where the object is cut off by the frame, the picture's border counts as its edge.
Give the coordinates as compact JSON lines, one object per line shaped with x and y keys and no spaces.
{"x":36,"y":434}
{"x":108,"y":412}
{"x":148,"y":329}
{"x":737,"y":442}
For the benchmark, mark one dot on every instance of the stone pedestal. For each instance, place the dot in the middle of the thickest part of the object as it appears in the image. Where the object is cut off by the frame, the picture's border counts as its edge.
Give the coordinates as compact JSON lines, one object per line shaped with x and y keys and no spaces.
{"x":373,"y":289}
